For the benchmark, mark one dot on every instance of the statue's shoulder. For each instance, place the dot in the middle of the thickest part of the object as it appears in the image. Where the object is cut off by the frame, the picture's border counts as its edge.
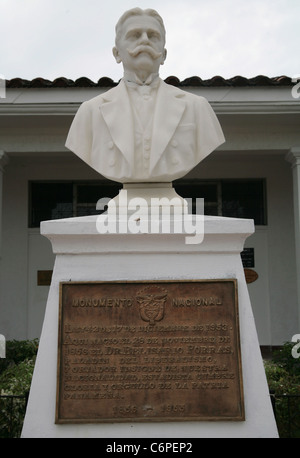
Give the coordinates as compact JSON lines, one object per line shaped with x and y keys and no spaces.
{"x":178,"y":92}
{"x":101,"y":98}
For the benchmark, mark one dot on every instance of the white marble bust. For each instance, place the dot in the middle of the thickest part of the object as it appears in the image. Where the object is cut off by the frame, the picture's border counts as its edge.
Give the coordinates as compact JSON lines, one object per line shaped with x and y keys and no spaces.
{"x":143,"y":130}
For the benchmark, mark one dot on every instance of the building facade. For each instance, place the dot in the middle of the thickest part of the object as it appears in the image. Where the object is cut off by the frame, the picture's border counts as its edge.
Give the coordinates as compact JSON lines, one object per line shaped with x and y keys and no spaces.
{"x":255,"y":174}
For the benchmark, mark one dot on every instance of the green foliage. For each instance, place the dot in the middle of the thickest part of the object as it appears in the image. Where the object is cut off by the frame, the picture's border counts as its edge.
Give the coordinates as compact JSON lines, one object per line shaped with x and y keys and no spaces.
{"x":285,"y":359}
{"x":17,"y":351}
{"x":15,"y":378}
{"x":282,"y":371}
{"x":283,"y":375}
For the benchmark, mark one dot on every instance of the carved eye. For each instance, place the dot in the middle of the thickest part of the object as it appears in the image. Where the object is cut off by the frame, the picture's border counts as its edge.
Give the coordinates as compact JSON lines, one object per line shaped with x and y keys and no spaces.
{"x":134,"y":34}
{"x":153,"y":36}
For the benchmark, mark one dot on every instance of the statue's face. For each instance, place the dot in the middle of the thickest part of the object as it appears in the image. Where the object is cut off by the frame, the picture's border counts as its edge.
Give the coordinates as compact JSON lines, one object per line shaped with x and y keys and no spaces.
{"x":140,"y":44}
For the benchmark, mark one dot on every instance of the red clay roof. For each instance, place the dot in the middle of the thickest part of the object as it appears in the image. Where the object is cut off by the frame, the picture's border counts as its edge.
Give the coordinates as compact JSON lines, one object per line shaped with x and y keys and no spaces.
{"x":259,"y":80}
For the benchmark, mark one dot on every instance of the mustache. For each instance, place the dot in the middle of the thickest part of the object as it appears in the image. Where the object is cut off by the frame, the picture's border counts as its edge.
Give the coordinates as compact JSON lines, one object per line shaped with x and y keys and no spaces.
{"x":142,"y":48}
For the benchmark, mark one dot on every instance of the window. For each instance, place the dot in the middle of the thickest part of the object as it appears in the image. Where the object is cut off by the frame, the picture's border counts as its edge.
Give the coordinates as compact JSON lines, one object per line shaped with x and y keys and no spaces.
{"x":50,"y":201}
{"x":231,"y":198}
{"x":86,"y":196}
{"x":55,"y":200}
{"x":244,"y":199}
{"x":209,"y":191}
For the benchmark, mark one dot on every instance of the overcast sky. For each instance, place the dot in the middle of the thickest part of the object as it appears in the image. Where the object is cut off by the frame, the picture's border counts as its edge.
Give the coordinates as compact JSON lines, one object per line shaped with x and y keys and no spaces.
{"x":74,"y":38}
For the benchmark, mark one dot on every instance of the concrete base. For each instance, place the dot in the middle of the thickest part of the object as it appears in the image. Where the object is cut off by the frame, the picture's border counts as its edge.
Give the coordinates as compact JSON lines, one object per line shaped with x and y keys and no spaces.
{"x":82,"y":254}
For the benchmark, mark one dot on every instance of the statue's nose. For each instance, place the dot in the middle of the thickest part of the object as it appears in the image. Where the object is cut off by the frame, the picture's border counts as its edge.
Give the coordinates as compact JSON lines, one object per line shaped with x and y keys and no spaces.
{"x":144,"y":38}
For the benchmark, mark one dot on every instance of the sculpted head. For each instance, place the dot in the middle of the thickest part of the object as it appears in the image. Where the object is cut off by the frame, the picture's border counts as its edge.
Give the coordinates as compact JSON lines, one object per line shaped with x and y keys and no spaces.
{"x":140,"y":41}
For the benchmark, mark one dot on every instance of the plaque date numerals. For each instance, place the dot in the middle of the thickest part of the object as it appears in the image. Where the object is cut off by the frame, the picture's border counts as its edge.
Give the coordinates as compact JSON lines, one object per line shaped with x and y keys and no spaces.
{"x":125,"y":410}
{"x":173,"y":408}
{"x":167,"y":409}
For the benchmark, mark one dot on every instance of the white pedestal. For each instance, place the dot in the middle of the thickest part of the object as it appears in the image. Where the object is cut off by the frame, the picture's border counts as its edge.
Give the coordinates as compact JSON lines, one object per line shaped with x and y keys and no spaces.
{"x":82,"y":254}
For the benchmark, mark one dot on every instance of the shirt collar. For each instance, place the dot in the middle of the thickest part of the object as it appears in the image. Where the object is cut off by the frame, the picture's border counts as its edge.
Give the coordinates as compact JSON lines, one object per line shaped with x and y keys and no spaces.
{"x":152,"y":80}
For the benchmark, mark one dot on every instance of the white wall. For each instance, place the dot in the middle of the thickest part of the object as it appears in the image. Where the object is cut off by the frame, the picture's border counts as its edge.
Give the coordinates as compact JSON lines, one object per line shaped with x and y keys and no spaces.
{"x":274,"y":294}
{"x":24,"y":251}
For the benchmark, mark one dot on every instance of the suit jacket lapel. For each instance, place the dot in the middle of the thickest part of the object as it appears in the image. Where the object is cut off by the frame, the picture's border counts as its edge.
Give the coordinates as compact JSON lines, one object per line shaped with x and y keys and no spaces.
{"x":169,"y":109}
{"x":116,"y":111}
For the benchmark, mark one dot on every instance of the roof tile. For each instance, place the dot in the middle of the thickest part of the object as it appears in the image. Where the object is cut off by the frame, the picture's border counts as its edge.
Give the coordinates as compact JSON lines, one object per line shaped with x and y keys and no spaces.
{"x":195,"y":81}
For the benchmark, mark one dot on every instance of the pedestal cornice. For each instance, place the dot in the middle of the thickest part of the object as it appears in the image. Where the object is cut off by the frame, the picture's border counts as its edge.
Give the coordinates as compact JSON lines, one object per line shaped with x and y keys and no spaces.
{"x":220,"y":235}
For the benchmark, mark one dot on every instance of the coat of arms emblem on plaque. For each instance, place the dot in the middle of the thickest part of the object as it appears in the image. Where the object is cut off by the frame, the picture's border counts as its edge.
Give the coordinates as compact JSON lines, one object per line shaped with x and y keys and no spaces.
{"x":152,"y":303}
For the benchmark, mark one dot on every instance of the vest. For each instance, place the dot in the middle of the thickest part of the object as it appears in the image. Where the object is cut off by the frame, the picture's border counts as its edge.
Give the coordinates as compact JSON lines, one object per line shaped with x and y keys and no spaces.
{"x":143,"y":99}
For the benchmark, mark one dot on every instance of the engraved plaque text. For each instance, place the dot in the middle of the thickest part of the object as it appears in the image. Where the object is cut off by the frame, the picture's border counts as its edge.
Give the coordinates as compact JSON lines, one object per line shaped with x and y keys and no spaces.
{"x":149,"y":351}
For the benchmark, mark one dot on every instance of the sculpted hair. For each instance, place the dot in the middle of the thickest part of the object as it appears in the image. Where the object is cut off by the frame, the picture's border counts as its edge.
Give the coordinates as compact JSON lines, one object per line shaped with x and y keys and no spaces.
{"x":139,"y":12}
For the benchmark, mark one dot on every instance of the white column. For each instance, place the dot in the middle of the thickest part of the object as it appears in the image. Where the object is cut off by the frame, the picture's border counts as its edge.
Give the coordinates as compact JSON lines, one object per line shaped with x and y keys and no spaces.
{"x":293,"y":157}
{"x":3,"y":163}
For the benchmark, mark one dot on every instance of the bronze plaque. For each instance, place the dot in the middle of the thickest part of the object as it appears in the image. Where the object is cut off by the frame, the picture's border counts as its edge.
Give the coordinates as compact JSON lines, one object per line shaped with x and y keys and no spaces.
{"x":149,"y":351}
{"x":250,"y":275}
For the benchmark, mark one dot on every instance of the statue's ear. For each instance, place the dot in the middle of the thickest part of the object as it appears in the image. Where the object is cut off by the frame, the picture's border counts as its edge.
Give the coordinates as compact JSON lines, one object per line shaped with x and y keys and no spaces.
{"x":164,"y":56}
{"x":116,"y":54}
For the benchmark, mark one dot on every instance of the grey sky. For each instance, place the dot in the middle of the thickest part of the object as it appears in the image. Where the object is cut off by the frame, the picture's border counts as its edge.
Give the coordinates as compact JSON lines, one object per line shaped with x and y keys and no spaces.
{"x":74,"y":38}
